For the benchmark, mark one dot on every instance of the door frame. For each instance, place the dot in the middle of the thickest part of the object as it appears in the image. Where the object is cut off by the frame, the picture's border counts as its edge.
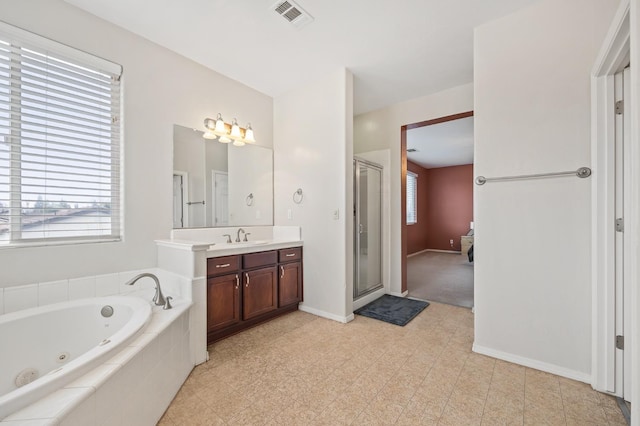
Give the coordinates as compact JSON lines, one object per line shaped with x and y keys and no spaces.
{"x":214,"y":203}
{"x":185,"y":196}
{"x":612,"y":59}
{"x":403,"y":186}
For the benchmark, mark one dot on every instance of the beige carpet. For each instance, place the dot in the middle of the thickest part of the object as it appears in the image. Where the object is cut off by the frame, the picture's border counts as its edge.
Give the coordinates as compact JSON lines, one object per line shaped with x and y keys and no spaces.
{"x":441,"y":277}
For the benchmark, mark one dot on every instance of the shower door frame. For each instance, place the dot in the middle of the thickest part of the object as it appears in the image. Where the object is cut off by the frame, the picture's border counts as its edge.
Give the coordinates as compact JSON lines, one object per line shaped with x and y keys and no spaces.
{"x":356,"y":227}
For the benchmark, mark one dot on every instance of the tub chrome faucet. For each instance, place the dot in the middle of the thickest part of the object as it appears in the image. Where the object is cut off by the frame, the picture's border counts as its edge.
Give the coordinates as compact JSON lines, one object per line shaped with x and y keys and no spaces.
{"x":238,"y":235}
{"x":158,"y":298}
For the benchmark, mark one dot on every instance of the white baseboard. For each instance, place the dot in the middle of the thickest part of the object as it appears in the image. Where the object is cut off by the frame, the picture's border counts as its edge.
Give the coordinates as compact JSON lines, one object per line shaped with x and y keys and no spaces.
{"x":417,"y":253}
{"x":357,"y":304}
{"x":327,"y":315}
{"x":532,"y":363}
{"x":435,"y":251}
{"x":403,"y":294}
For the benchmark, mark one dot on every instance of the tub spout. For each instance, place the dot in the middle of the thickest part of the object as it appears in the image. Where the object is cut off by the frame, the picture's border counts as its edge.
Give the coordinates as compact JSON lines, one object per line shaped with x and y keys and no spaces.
{"x":158,"y":298}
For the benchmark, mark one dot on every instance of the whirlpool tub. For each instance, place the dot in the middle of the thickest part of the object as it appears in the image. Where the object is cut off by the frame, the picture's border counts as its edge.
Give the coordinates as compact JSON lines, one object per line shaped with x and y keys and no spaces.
{"x":45,"y":348}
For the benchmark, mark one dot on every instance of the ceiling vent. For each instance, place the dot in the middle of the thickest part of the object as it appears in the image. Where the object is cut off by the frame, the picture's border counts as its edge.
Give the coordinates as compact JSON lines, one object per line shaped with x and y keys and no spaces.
{"x":293,"y":13}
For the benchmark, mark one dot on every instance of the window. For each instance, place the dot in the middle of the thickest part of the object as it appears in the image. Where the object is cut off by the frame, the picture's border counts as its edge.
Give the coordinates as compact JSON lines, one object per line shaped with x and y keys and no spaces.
{"x":59,"y":143}
{"x":412,"y":198}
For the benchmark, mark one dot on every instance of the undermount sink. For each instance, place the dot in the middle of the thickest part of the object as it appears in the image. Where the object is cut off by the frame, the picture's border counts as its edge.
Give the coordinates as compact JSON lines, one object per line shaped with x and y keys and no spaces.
{"x":251,"y":243}
{"x":223,"y":246}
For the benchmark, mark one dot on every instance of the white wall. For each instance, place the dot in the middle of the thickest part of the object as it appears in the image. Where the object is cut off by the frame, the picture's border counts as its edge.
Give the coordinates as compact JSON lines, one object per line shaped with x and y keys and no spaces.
{"x":380,"y":129}
{"x":160,"y":89}
{"x":313,"y":151}
{"x":532,"y":238}
{"x":250,"y":172}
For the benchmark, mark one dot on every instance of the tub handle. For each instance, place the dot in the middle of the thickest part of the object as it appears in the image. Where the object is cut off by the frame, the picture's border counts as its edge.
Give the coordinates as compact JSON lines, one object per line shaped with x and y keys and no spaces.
{"x":167,"y":303}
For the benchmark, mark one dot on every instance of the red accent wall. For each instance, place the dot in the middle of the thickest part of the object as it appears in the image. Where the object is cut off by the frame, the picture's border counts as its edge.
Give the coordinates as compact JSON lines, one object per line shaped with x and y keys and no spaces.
{"x":445,"y":207}
{"x":450,"y":205}
{"x":417,"y":233}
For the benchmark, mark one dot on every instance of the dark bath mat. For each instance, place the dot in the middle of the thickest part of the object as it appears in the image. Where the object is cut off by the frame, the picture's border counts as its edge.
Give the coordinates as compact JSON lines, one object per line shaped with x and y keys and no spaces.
{"x":393,"y":309}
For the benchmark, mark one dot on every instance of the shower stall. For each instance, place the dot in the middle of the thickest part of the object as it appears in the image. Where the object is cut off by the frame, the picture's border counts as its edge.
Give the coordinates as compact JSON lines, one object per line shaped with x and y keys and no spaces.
{"x":367,"y":227}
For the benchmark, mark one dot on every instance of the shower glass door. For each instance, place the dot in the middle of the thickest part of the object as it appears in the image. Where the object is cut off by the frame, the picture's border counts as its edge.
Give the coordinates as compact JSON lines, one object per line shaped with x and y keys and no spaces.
{"x":368,"y":227}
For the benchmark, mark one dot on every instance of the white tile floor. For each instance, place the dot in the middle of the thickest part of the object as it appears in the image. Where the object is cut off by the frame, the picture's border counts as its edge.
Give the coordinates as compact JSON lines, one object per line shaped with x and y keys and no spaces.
{"x":304,"y":370}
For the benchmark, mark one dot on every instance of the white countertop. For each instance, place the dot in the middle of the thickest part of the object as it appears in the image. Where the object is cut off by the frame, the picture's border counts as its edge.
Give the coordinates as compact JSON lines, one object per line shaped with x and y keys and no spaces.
{"x":228,"y":249}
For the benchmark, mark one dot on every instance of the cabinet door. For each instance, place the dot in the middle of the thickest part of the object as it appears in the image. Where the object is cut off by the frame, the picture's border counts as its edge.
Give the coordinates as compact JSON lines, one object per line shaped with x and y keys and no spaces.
{"x":260,"y":292}
{"x":290,"y":284}
{"x":223,"y":301}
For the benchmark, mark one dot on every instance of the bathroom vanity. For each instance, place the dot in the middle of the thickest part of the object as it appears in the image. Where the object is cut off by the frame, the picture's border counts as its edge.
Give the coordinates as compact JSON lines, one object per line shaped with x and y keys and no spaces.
{"x":234,"y":285}
{"x":244,"y":290}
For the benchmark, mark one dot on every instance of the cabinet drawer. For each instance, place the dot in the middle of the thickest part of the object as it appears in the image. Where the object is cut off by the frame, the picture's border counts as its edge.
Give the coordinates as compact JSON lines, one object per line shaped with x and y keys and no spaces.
{"x":290,"y":254}
{"x":255,"y":260}
{"x":222,"y":265}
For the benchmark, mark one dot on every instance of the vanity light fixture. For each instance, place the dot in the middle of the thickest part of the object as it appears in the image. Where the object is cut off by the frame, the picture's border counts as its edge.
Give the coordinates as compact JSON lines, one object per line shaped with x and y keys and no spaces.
{"x":228,"y":132}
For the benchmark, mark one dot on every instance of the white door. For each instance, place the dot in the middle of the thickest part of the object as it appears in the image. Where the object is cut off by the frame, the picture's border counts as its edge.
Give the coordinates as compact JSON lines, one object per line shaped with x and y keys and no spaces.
{"x":220,"y":198}
{"x":622,"y":290}
{"x":178,"y":212}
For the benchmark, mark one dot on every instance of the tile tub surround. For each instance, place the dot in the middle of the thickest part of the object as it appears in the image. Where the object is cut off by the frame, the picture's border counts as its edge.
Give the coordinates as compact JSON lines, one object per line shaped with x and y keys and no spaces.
{"x":133,"y":387}
{"x":15,"y":298}
{"x":301,"y":369}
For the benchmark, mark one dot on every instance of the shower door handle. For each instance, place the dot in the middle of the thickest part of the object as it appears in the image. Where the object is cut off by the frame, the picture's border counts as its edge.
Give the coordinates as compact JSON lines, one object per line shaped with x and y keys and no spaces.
{"x":361,"y":228}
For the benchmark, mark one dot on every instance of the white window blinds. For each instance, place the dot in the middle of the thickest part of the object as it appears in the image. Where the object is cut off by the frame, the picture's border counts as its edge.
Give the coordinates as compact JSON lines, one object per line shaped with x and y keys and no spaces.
{"x":59,"y":142}
{"x":412,"y":198}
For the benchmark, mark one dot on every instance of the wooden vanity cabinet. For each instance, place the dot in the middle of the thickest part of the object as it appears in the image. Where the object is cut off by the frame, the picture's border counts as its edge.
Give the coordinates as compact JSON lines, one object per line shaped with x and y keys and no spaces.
{"x":223,"y":292}
{"x":260,"y":291}
{"x":245,"y":290}
{"x":223,"y":301}
{"x":290,"y":279}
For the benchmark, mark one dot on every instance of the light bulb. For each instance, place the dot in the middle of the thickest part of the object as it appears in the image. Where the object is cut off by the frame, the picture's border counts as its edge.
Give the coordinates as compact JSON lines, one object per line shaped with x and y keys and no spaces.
{"x":209,"y":135}
{"x":238,"y":142}
{"x":219,"y":128}
{"x":224,"y":139}
{"x":235,"y":130}
{"x":248,"y":134}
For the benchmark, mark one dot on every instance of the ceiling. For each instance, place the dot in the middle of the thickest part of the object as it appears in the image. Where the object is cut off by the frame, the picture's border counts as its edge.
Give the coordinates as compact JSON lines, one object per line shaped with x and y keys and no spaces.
{"x":397,"y":50}
{"x":443,"y":144}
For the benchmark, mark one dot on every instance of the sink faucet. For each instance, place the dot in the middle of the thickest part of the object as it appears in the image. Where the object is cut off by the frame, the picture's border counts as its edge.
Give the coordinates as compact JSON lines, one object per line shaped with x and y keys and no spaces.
{"x":158,"y":299}
{"x":238,"y":235}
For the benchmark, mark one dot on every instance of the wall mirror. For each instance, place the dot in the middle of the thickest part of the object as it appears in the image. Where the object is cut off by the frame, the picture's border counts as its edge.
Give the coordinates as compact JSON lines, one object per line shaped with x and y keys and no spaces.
{"x":217,"y":184}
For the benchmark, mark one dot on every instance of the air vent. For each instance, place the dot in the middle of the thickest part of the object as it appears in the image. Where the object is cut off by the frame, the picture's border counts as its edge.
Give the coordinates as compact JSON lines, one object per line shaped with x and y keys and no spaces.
{"x":293,"y":13}
{"x":412,"y":150}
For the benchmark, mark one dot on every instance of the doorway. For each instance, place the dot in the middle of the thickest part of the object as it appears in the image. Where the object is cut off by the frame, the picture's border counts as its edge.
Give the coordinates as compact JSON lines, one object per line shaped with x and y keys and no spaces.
{"x":437,"y":209}
{"x":180,"y":191}
{"x":614,"y":210}
{"x":220,"y":197}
